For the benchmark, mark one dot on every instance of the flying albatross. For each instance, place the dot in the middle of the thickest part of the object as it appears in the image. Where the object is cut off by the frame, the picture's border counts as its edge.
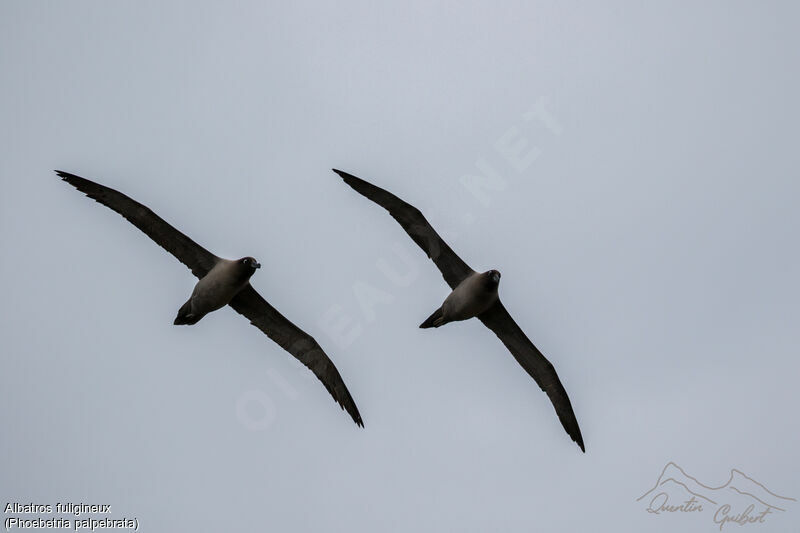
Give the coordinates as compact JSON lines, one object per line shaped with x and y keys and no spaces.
{"x":474,"y":295}
{"x":223,"y":282}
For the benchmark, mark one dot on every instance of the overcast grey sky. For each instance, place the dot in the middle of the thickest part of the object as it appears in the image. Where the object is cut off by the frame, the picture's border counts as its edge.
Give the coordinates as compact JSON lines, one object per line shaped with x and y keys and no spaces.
{"x":647,"y":239}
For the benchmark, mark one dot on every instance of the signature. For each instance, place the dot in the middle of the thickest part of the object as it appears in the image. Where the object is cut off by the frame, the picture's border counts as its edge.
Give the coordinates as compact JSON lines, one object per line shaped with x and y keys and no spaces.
{"x":741,"y":500}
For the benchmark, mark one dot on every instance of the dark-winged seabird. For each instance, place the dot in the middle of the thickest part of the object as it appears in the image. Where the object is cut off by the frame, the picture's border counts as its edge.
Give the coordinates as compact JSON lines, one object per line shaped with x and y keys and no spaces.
{"x":474,"y":295}
{"x":223,"y":282}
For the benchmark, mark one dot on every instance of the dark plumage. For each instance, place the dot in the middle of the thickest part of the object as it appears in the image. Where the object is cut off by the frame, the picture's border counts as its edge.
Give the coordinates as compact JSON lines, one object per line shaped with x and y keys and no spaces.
{"x":474,"y":295}
{"x":223,"y":282}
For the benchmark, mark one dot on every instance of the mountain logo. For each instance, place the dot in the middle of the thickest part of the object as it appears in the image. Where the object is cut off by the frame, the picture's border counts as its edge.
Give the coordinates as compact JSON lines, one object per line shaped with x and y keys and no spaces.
{"x":741,"y":500}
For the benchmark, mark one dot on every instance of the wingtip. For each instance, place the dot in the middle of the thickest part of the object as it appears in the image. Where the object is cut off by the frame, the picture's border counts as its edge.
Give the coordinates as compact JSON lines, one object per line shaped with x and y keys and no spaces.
{"x":347,"y":177}
{"x":67,"y":176}
{"x":350,"y":408}
{"x":356,"y":418}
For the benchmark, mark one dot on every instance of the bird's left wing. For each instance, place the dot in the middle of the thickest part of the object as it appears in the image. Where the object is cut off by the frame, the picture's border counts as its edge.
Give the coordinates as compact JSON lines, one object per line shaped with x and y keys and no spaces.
{"x":298,"y":343}
{"x":199,"y":260}
{"x":540,"y":369}
{"x":453,"y":268}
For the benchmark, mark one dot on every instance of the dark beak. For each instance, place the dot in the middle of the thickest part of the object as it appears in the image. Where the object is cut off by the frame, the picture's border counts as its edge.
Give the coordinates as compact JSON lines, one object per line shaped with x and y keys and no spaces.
{"x":258,"y":265}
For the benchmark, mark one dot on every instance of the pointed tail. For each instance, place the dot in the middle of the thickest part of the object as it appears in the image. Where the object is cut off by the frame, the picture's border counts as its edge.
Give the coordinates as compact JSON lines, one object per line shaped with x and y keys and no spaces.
{"x":433,"y":321}
{"x":185,"y":316}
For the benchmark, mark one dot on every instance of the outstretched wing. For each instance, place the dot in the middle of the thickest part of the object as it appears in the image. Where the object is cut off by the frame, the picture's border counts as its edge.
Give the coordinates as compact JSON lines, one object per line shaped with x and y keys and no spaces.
{"x":297,"y":342}
{"x":198,"y":259}
{"x":498,"y":320}
{"x":452,"y":267}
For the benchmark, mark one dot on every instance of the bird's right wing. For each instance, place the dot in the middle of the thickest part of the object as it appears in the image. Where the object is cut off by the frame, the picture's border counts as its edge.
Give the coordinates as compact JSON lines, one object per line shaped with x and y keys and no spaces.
{"x":497,"y":319}
{"x":297,"y":342}
{"x":198,"y":259}
{"x":452,"y":267}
